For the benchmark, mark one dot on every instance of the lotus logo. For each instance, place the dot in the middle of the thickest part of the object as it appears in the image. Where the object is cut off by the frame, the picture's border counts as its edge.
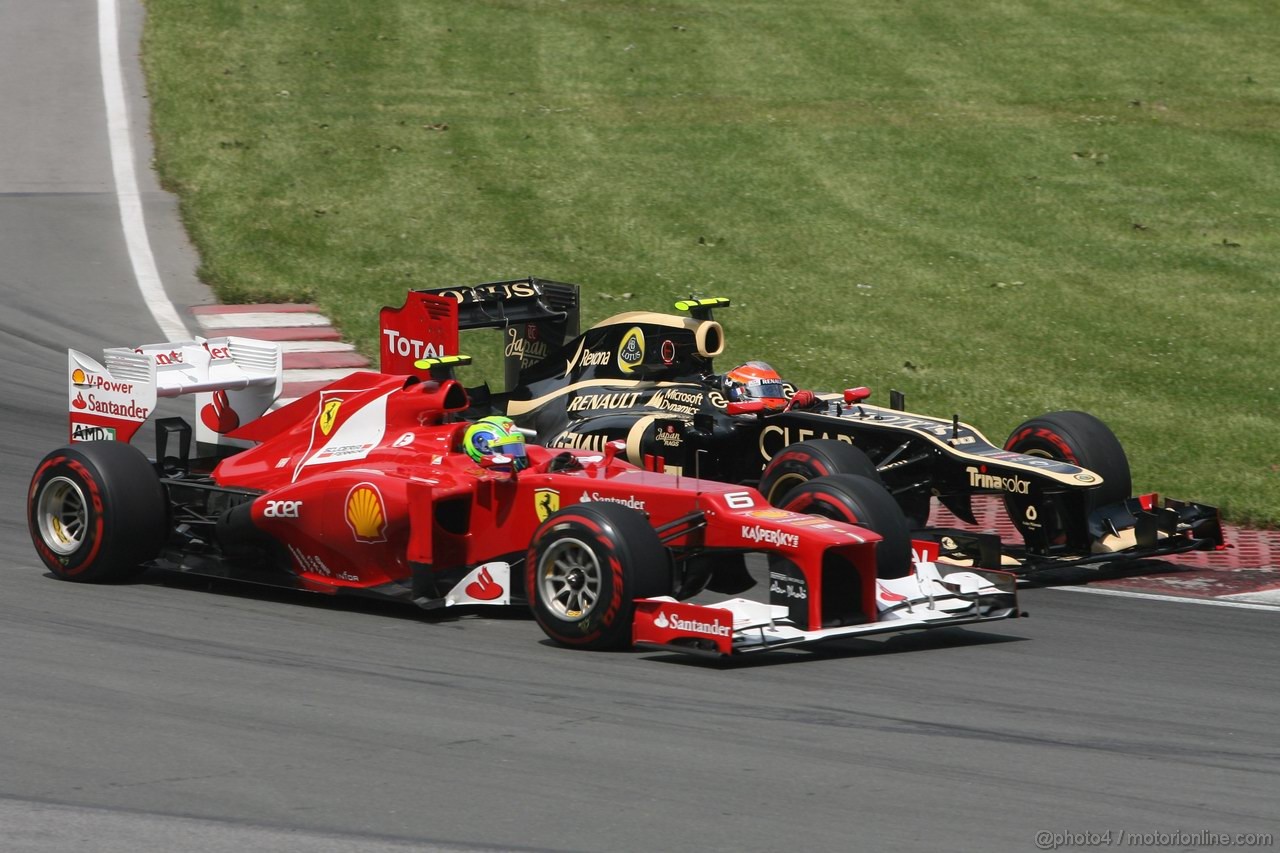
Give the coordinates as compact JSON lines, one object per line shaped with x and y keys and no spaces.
{"x":631,"y":352}
{"x":366,"y":514}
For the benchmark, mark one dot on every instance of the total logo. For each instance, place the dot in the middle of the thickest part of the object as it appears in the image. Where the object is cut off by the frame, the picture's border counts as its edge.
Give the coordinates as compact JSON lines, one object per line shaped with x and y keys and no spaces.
{"x":980,"y":479}
{"x":282,"y":509}
{"x":398,"y":344}
{"x":756,"y":533}
{"x":693,"y":626}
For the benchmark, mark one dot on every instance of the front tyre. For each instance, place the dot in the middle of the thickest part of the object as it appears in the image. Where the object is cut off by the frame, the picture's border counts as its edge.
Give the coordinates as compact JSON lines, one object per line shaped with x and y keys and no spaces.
{"x":586,"y":566}
{"x":866,"y":503}
{"x":95,"y":511}
{"x":805,"y":460}
{"x":1080,"y":439}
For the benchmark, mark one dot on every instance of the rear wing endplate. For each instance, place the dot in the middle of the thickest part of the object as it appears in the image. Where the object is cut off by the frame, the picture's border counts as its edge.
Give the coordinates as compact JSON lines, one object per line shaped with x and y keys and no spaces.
{"x":234,"y":381}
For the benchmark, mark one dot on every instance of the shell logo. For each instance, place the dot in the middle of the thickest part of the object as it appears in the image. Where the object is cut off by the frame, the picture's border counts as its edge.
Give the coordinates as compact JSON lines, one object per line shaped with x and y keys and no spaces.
{"x":366,"y":513}
{"x":79,"y":377}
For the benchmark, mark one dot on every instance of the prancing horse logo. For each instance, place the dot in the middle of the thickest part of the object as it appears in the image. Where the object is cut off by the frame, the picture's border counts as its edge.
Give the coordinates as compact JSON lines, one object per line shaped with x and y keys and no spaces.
{"x":545,"y":502}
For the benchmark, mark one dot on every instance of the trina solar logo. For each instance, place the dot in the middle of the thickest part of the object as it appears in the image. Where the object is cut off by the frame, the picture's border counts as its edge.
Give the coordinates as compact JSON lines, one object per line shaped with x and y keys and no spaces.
{"x":366,"y":513}
{"x":980,"y":479}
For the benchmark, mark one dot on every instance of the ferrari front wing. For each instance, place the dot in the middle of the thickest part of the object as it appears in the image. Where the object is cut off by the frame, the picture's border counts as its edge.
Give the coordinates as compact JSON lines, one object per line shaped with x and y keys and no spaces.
{"x":933,"y":596}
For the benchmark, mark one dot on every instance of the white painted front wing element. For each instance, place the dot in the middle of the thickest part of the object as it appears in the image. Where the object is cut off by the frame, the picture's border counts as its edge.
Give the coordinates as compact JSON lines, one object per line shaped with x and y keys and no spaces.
{"x":933,"y":596}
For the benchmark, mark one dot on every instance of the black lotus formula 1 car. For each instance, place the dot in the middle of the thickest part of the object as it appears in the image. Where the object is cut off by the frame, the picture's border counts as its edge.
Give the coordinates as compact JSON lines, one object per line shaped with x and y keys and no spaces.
{"x":648,"y":379}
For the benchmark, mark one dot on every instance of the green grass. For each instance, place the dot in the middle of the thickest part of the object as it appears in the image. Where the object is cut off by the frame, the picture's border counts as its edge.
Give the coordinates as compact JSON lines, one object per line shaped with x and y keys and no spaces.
{"x":1001,"y":208}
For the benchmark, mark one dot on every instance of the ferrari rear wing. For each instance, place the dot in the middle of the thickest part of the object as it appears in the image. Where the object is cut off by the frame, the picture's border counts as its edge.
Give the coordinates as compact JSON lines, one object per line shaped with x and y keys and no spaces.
{"x":234,"y":380}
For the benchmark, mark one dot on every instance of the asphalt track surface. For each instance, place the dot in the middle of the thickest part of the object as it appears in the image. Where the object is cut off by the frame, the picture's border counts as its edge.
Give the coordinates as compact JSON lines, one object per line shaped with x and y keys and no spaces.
{"x":172,"y":715}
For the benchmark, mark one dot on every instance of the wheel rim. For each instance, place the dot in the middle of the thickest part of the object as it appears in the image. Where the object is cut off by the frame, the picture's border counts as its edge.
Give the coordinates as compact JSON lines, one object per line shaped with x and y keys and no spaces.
{"x":570,"y":579}
{"x":782,"y":487}
{"x":63,"y":515}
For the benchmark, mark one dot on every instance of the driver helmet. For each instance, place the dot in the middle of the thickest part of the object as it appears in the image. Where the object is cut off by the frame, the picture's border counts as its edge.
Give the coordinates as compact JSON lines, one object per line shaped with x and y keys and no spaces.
{"x":754,"y":380}
{"x":494,"y":441}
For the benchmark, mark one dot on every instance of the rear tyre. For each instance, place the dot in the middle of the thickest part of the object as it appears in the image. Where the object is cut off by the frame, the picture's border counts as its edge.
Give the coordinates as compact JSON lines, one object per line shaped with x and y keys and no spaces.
{"x":586,"y":566}
{"x":803,"y":461}
{"x":1080,"y":439}
{"x":864,"y":502}
{"x":95,"y":511}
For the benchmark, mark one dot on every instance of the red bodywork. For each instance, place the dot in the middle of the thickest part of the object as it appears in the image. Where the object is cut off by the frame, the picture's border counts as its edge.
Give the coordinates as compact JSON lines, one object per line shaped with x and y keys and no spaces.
{"x":365,"y":484}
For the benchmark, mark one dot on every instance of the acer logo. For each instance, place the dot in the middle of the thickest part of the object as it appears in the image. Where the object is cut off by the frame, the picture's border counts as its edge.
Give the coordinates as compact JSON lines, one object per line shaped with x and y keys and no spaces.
{"x":282,"y":509}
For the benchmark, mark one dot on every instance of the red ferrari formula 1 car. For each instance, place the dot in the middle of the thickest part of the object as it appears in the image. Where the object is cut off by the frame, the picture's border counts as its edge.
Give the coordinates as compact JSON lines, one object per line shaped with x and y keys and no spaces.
{"x":374,"y":485}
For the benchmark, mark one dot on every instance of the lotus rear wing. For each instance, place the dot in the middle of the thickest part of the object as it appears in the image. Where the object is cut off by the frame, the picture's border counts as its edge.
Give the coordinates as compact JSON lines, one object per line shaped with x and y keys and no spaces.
{"x":234,"y":381}
{"x":536,"y":316}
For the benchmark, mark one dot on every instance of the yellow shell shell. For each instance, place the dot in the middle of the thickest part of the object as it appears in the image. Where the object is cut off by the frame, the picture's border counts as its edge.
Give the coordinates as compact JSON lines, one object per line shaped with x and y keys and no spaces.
{"x":365,"y":513}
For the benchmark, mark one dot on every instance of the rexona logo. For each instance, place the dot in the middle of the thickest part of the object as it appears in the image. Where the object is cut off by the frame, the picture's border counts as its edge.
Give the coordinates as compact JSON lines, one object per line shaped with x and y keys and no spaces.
{"x":693,"y":626}
{"x":631,"y":351}
{"x":980,"y":479}
{"x":756,"y":533}
{"x":593,"y":497}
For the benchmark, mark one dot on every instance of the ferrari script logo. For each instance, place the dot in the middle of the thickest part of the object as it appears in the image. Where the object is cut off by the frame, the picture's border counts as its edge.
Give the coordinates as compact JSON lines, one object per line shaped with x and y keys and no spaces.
{"x":545,"y":502}
{"x":328,"y":415}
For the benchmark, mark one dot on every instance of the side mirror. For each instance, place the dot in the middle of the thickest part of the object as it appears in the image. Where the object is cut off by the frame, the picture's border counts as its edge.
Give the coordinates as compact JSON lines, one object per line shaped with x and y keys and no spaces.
{"x":856,"y":395}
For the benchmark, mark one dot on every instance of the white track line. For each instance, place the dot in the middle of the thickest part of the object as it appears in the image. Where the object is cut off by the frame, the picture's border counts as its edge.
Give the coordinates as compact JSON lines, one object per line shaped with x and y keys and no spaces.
{"x":127,"y":195}
{"x":263,"y":319}
{"x":1176,"y":599}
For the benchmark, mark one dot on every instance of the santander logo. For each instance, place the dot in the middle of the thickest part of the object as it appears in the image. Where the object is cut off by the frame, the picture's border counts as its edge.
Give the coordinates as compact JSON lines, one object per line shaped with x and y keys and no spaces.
{"x":218,"y":414}
{"x":889,"y":595}
{"x":693,"y":626}
{"x":484,"y":587}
